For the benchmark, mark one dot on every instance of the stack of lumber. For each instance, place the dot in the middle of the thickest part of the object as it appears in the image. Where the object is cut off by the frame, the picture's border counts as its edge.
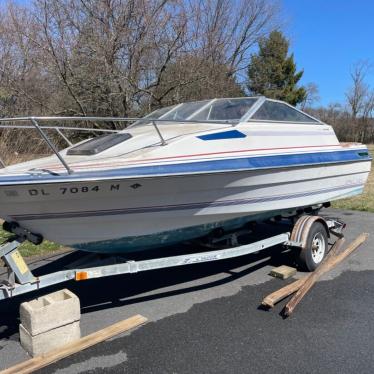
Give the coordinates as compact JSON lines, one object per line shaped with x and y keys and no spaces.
{"x":303,"y":285}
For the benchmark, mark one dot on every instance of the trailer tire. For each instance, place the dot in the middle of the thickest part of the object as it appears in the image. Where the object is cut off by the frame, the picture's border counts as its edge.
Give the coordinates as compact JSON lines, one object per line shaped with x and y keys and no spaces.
{"x":316,"y":247}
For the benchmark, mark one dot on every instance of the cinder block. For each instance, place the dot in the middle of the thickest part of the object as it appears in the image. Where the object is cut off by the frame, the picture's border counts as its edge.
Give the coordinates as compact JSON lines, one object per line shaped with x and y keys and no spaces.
{"x":283,"y":272}
{"x":47,"y":341}
{"x":50,"y":311}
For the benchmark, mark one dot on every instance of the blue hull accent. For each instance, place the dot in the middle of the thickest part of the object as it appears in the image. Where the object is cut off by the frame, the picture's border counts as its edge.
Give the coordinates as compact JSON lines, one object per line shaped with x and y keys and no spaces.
{"x":211,"y":166}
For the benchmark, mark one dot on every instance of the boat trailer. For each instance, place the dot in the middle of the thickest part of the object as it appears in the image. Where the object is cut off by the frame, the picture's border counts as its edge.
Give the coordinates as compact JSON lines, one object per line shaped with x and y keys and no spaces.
{"x":20,"y":279}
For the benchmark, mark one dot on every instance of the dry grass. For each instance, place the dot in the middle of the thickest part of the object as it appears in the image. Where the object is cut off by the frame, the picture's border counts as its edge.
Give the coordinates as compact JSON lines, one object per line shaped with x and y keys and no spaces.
{"x":365,"y":201}
{"x":28,"y":249}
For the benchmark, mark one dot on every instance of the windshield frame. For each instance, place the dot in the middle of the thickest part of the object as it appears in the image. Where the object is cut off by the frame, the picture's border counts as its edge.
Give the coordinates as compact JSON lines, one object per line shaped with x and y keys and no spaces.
{"x":148,"y":120}
{"x":263,"y":99}
{"x":247,"y":117}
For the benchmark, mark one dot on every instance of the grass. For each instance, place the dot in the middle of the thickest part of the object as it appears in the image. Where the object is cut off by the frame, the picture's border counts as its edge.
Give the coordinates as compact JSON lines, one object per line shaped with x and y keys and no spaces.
{"x":28,"y":249}
{"x":364,"y":202}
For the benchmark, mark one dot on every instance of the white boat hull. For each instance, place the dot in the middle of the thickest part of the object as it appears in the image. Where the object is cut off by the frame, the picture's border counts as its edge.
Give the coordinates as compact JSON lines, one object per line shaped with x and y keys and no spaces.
{"x":122,"y":215}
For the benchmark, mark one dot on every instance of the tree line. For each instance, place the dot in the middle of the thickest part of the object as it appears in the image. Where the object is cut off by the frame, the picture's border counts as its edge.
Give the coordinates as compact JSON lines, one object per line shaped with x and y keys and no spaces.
{"x":353,"y":120}
{"x":124,"y":58}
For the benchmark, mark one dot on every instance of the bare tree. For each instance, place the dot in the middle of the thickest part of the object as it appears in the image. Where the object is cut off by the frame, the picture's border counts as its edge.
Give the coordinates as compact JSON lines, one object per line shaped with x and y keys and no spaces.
{"x":311,"y":97}
{"x":358,"y":92}
{"x":115,"y":56}
{"x":360,"y":98}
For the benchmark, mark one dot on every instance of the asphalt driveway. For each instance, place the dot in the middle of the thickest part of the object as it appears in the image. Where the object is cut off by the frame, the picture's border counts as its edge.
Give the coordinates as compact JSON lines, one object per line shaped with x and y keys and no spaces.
{"x":205,"y":318}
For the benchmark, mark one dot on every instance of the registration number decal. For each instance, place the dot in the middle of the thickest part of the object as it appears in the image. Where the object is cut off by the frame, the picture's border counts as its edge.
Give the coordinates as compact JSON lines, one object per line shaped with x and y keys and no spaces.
{"x":65,"y":190}
{"x":73,"y":190}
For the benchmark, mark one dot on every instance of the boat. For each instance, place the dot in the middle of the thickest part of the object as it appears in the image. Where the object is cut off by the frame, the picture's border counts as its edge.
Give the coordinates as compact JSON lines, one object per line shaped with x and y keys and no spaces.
{"x":178,"y":174}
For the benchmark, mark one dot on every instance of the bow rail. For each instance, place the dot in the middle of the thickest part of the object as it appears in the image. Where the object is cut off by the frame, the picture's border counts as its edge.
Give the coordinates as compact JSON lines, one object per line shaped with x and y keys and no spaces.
{"x":35,"y":124}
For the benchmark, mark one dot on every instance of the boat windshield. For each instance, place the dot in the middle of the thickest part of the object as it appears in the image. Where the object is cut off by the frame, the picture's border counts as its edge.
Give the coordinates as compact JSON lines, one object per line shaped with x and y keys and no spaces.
{"x":224,"y":110}
{"x":154,"y":115}
{"x":220,"y":110}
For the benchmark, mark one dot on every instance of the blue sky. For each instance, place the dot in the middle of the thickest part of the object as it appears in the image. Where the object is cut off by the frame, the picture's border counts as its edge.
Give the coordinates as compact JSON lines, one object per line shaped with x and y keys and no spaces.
{"x":327,"y":37}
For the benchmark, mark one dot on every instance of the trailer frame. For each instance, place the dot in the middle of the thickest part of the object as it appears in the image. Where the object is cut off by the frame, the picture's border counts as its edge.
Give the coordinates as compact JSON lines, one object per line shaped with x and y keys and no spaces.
{"x":20,"y":279}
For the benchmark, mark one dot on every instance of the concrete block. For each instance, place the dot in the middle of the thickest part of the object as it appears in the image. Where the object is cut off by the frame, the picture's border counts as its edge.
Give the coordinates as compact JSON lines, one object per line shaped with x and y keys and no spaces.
{"x":42,"y":343}
{"x":283,"y":272}
{"x":50,"y":311}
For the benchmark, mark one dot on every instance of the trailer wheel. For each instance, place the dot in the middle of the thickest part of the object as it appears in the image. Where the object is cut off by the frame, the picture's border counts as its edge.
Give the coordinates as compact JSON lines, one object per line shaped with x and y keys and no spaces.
{"x":316,"y":247}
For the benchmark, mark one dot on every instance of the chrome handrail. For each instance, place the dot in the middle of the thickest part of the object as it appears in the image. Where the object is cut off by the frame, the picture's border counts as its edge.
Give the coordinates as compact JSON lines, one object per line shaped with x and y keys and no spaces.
{"x":163,"y":142}
{"x":58,"y":129}
{"x":51,"y":145}
{"x":35,"y":125}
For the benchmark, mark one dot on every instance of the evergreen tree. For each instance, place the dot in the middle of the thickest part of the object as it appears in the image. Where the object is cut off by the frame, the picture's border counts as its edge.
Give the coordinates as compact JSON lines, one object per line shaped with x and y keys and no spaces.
{"x":272,"y":72}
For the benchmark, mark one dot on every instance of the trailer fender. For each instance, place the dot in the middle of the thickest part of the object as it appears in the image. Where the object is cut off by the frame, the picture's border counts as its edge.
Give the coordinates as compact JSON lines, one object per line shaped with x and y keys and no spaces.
{"x":301,"y":229}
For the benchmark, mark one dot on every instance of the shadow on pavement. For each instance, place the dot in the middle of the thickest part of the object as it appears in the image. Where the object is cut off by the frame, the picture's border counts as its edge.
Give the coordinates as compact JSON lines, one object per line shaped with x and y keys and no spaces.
{"x":103,"y":293}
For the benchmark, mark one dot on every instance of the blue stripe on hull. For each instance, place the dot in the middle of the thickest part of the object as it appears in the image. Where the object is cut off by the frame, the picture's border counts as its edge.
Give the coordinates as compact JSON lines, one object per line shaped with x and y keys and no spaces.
{"x":222,"y":165}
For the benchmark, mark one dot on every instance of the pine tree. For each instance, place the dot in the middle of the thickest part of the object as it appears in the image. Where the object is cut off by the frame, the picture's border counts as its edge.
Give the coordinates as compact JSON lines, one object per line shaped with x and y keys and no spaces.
{"x":272,"y":72}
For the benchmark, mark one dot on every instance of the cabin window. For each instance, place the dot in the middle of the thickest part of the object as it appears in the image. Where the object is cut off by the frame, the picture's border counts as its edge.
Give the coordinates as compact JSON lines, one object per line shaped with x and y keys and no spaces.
{"x":275,"y":111}
{"x":225,"y":110}
{"x":98,"y":144}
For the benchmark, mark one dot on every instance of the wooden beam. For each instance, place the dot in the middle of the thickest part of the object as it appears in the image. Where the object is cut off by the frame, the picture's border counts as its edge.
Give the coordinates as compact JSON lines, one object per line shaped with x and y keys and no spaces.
{"x":39,"y":362}
{"x":273,"y":298}
{"x":325,"y":266}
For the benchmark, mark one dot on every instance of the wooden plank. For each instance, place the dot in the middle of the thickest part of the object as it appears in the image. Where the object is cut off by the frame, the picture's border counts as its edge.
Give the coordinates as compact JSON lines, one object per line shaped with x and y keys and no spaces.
{"x":326,"y":266}
{"x":351,"y":248}
{"x":271,"y":299}
{"x":283,"y":272}
{"x":280,"y":294}
{"x":39,"y":362}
